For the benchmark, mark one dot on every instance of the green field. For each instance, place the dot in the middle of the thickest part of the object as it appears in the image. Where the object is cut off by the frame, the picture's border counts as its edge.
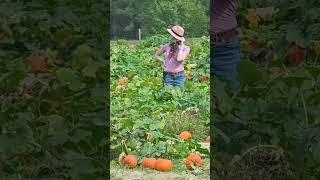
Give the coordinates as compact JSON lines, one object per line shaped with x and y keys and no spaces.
{"x":148,"y":117}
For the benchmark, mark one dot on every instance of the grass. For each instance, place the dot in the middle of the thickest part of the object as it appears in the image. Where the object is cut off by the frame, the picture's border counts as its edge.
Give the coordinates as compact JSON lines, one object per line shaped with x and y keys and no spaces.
{"x":178,"y":164}
{"x":193,"y":123}
{"x":179,"y":170}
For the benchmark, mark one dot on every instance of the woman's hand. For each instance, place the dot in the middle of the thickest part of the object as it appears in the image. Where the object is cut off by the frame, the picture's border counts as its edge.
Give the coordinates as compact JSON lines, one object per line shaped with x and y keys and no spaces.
{"x":158,"y":57}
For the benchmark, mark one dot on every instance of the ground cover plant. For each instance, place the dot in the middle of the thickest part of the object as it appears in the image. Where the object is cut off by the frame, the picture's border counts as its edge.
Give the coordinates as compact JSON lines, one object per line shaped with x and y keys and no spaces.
{"x":53,"y":73}
{"x":270,"y":129}
{"x":150,"y":121}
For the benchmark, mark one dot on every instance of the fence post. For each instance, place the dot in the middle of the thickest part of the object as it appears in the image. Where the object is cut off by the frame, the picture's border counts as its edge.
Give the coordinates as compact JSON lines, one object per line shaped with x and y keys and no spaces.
{"x":139,"y":33}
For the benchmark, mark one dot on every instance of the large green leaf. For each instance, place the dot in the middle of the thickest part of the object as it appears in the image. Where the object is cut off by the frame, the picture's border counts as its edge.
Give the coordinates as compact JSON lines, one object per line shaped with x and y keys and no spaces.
{"x":241,"y":134}
{"x":81,"y":56}
{"x":91,"y":69}
{"x":68,"y":77}
{"x":81,"y":135}
{"x":65,"y":14}
{"x":316,"y":152}
{"x":249,"y":73}
{"x":222,"y":134}
{"x":58,"y":139}
{"x":294,"y":34}
{"x":57,"y":124}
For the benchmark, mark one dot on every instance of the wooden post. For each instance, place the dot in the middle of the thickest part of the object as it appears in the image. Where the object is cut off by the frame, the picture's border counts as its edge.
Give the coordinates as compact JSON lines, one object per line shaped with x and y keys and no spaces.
{"x":139,"y":33}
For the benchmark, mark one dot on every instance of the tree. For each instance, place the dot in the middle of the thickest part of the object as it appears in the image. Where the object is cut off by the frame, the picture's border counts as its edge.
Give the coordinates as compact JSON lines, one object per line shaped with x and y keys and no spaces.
{"x":154,"y":16}
{"x":122,"y":17}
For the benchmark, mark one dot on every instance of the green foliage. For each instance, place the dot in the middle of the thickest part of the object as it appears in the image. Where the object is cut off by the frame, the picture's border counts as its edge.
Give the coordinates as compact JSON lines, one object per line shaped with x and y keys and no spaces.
{"x":147,"y":116}
{"x":155,"y":41}
{"x":277,"y":105}
{"x":154,"y":17}
{"x":51,"y":122}
{"x":189,"y":14}
{"x":295,"y":21}
{"x":280,"y":110}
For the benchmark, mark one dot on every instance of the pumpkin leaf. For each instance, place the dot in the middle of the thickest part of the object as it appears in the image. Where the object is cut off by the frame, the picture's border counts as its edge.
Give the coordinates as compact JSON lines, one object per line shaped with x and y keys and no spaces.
{"x":57,"y":124}
{"x":81,"y":135}
{"x":68,"y":78}
{"x":81,"y":56}
{"x":91,"y":69}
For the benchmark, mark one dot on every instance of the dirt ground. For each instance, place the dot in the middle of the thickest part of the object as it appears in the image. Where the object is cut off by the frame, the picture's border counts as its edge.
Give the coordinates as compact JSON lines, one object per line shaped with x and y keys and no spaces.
{"x":119,"y":174}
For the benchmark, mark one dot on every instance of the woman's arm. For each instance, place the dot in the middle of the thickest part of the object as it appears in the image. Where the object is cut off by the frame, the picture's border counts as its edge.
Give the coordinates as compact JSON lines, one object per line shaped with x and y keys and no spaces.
{"x":182,"y":53}
{"x":158,"y":55}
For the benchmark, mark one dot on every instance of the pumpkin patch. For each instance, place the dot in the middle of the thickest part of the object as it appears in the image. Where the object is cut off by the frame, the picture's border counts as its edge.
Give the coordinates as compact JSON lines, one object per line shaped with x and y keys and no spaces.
{"x":153,"y":122}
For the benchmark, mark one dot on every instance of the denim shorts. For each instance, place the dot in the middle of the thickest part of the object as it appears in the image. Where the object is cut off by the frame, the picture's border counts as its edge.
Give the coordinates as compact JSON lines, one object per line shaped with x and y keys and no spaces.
{"x":174,"y":80}
{"x":224,"y":61}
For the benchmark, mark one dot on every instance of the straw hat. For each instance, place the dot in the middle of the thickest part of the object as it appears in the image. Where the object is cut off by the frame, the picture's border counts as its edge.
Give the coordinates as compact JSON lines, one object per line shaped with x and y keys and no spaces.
{"x":177,"y":32}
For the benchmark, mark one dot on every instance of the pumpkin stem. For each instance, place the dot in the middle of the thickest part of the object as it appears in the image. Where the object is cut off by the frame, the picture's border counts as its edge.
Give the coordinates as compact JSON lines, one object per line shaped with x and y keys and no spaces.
{"x":124,"y":147}
{"x":193,"y":166}
{"x":121,"y":157}
{"x":151,"y":154}
{"x":165,"y":152}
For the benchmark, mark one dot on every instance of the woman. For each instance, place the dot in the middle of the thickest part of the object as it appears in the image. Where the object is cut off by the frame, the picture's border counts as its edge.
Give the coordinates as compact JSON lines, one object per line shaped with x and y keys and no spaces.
{"x":176,"y":53}
{"x":224,"y":41}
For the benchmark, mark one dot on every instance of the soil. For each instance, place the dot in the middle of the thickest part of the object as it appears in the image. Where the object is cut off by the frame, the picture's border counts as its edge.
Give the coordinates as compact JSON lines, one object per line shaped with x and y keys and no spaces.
{"x":126,"y":174}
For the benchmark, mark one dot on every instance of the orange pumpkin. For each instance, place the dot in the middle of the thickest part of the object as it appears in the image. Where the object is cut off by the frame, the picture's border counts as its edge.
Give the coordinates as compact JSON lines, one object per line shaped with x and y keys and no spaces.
{"x":296,"y":54}
{"x":193,"y":160}
{"x":203,"y":78}
{"x":208,"y":139}
{"x":163,"y":165}
{"x":149,"y":163}
{"x":130,"y":161}
{"x":185,"y":135}
{"x":123,"y":81}
{"x":38,"y":64}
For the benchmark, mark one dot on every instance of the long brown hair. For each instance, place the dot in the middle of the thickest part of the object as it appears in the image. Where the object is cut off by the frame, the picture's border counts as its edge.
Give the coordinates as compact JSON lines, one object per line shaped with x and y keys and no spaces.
{"x":173,"y":48}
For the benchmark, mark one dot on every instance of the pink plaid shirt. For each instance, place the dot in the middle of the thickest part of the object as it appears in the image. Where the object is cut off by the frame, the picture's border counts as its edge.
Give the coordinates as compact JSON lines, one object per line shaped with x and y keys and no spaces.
{"x":171,"y":63}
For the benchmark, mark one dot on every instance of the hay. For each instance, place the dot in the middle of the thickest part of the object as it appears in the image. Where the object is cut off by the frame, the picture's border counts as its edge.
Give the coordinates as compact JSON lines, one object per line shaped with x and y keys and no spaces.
{"x":261,"y":162}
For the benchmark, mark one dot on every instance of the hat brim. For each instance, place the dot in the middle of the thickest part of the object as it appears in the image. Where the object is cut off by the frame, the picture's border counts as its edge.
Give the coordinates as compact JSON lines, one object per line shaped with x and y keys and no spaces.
{"x":175,"y":36}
